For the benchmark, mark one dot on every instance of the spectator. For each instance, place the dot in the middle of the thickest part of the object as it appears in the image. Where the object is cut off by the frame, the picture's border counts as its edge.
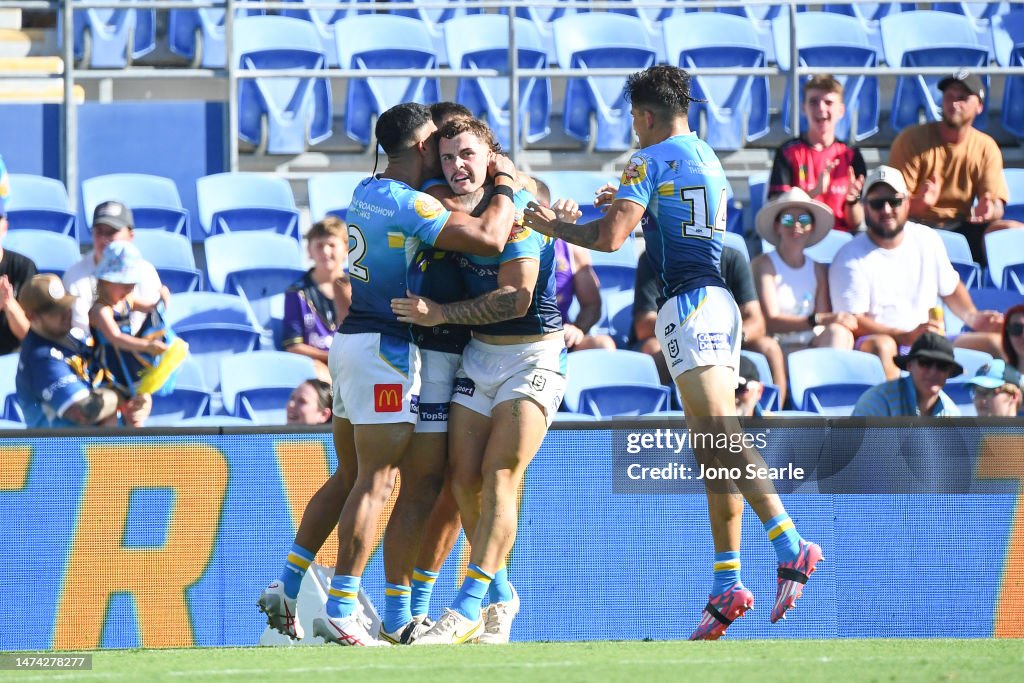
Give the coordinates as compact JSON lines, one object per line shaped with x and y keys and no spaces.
{"x":111,"y":221}
{"x":54,"y":384}
{"x":1013,"y":337}
{"x":575,"y":277}
{"x":930,"y":365}
{"x":817,"y":163}
{"x":15,"y":271}
{"x":749,"y":390}
{"x":315,"y":305}
{"x":996,"y":390}
{"x":793,"y":289}
{"x":890,"y":276}
{"x":310,"y":403}
{"x":954,"y":171}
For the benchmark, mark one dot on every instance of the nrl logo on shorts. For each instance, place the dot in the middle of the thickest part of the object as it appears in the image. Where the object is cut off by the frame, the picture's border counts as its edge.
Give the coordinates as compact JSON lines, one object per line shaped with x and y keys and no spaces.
{"x":635,"y":172}
{"x":673,"y":348}
{"x":538,"y":382}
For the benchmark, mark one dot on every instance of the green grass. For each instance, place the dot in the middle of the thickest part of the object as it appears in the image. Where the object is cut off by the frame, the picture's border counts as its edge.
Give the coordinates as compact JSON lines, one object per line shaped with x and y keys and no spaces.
{"x":835,"y":661}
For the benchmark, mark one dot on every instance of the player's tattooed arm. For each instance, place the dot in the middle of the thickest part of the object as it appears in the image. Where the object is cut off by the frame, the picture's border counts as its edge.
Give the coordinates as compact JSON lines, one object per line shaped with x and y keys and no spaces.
{"x":495,"y":306}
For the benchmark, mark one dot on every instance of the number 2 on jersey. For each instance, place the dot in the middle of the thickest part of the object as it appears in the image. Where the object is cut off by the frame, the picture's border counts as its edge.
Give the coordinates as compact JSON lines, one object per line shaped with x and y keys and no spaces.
{"x":698,"y":225}
{"x":356,"y":252}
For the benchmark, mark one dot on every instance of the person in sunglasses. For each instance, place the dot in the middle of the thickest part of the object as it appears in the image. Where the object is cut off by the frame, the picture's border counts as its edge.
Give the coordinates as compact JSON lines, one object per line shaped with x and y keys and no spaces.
{"x":891,"y":275}
{"x":996,"y":390}
{"x":792,"y":287}
{"x":930,"y":364}
{"x":1013,"y":337}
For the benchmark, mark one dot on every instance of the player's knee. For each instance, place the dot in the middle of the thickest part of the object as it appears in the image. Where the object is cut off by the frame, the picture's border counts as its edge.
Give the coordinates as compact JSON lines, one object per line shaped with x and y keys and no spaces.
{"x":466,"y":485}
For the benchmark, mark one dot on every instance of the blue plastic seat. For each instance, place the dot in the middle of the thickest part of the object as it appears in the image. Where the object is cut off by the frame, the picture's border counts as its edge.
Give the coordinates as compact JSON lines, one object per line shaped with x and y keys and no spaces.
{"x":834,"y":40}
{"x":39,"y":203}
{"x":617,"y":314}
{"x":736,"y":241}
{"x":257,"y":266}
{"x":172,"y":257}
{"x":624,"y":399}
{"x":331,"y":193}
{"x":981,"y":15}
{"x":11,"y":424}
{"x":825,"y":250}
{"x":971,"y":360}
{"x":198,"y":34}
{"x":282,"y":114}
{"x":757,"y":189}
{"x":770,"y":395}
{"x":760,"y":18}
{"x":579,"y":186}
{"x":434,"y":20}
{"x":543,"y":19}
{"x":257,"y":385}
{"x":1013,"y":95}
{"x":734,"y":103}
{"x":215,"y":325}
{"x":324,"y":21}
{"x":829,"y":381}
{"x":210,"y":421}
{"x":384,"y":41}
{"x":869,"y":14}
{"x":51,"y":252}
{"x":574,"y":417}
{"x":154,"y":200}
{"x":235,"y":202}
{"x":597,"y":40}
{"x":928,"y":38}
{"x":1005,"y":252}
{"x":111,"y":38}
{"x":597,"y":368}
{"x":190,"y":397}
{"x":651,"y":18}
{"x":1014,"y":209}
{"x":480,"y":41}
{"x":9,"y":408}
{"x":995,"y":299}
{"x":959,"y":252}
{"x":1007,"y":32}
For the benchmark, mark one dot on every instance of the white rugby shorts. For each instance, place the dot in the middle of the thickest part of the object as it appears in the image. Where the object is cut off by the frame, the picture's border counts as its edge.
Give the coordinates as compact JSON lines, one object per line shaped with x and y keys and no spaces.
{"x":699,"y":328}
{"x":437,"y":380}
{"x":375,"y":377}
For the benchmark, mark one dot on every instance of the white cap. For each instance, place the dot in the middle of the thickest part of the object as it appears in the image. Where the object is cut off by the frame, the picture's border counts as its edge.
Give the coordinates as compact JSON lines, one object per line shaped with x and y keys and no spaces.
{"x":888,"y":175}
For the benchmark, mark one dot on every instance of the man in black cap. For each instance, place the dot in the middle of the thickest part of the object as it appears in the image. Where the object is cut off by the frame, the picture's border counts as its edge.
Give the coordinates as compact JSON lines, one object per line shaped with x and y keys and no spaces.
{"x":111,"y":221}
{"x":953,"y":170}
{"x":749,"y":390}
{"x":931,"y":364}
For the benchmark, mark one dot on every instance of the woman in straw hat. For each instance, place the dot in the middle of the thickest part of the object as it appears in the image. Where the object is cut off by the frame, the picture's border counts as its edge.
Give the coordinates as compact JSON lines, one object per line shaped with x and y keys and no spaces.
{"x":792,"y":287}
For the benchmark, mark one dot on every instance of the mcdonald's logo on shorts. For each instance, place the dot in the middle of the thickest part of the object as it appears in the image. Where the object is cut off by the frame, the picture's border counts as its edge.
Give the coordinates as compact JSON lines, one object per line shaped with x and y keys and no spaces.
{"x":387,"y":398}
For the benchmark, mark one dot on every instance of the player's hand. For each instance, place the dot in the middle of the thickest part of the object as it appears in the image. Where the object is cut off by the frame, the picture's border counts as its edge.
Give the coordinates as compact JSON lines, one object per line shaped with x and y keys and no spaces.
{"x":417,"y":310}
{"x":6,"y":292}
{"x":156,"y":347}
{"x":854,"y":186}
{"x":573,"y":335}
{"x":604,"y":196}
{"x":539,"y":218}
{"x":567,"y":210}
{"x":985,"y":210}
{"x":985,"y":321}
{"x":499,"y":163}
{"x":824,"y":179}
{"x":931,"y":190}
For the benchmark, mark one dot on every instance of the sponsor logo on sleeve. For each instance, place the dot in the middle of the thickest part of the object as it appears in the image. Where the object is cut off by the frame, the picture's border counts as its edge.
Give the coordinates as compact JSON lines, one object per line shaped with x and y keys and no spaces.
{"x":387,"y":398}
{"x":518,"y":233}
{"x":714,"y":341}
{"x":427,"y":207}
{"x":635,"y":171}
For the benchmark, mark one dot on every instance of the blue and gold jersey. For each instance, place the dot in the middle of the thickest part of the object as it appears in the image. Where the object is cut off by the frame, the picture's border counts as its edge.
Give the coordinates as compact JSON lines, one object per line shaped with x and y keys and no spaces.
{"x":480,"y":275}
{"x":435,"y":274}
{"x":388,"y":222}
{"x":681,"y":184}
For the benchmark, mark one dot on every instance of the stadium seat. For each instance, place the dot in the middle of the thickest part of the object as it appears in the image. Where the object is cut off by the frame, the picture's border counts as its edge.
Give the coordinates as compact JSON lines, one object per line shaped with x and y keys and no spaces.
{"x":383,"y":41}
{"x":995,"y":299}
{"x":580,"y":186}
{"x":825,"y":250}
{"x":435,"y":18}
{"x":736,"y":241}
{"x":1007,"y":33}
{"x":324,"y":21}
{"x":736,"y":110}
{"x":574,"y":417}
{"x":757,"y":187}
{"x":198,"y":34}
{"x":214,"y":325}
{"x":331,"y":193}
{"x":595,"y":109}
{"x":480,"y":41}
{"x":172,"y":257}
{"x":829,"y":381}
{"x":111,"y":38}
{"x":616,"y":269}
{"x":9,"y":408}
{"x":1005,"y":251}
{"x":233,"y":202}
{"x":38,"y":203}
{"x":597,"y":368}
{"x":1014,"y":209}
{"x":971,"y":360}
{"x":624,"y":399}
{"x":257,"y":385}
{"x":959,"y":252}
{"x":216,"y":421}
{"x":281,"y":115}
{"x":651,"y":18}
{"x":11,"y":424}
{"x":828,"y":39}
{"x":770,"y":397}
{"x":256,"y":266}
{"x":760,"y":18}
{"x":51,"y":252}
{"x":980,"y":14}
{"x":928,"y":38}
{"x":190,"y":397}
{"x":869,"y":14}
{"x":543,"y":19}
{"x":154,"y":201}
{"x":617,"y":306}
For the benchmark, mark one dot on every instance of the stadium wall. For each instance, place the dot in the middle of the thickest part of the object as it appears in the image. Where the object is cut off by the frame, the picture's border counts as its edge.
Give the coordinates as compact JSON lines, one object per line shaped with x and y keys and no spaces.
{"x":165,"y":539}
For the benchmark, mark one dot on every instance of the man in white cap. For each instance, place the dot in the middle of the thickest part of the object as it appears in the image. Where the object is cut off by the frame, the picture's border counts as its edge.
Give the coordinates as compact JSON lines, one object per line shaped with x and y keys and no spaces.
{"x":891,"y":275}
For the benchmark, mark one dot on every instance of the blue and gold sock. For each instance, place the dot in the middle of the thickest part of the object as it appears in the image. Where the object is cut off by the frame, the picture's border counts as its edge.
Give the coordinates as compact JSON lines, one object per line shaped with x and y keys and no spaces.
{"x":396,"y":606}
{"x":727,"y":571}
{"x":422,"y":587}
{"x":501,"y":589}
{"x":341,"y":600}
{"x":474,"y":588}
{"x":783,"y":536}
{"x":295,"y":568}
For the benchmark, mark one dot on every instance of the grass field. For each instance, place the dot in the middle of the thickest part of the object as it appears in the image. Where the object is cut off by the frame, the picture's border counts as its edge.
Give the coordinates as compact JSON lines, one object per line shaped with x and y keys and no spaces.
{"x":836,"y":661}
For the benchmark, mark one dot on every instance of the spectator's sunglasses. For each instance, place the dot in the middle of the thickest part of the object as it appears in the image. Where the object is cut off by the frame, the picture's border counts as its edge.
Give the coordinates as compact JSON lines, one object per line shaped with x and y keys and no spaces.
{"x":940,"y":365}
{"x":789,"y":220}
{"x":878,"y":204}
{"x":1015,"y":329}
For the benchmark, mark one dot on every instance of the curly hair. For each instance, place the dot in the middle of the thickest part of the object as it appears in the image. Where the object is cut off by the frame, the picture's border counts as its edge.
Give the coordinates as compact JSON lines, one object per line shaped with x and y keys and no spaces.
{"x":478,"y":128}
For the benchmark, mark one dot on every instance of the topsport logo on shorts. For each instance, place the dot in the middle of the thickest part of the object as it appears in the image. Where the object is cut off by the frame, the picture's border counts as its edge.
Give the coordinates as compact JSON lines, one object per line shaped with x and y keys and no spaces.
{"x":464,"y":386}
{"x":713,"y":341}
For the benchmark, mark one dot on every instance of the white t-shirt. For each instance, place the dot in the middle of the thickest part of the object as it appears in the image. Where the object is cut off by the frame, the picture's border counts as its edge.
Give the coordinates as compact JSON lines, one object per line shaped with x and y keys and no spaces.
{"x":895,"y":287}
{"x":80,"y":281}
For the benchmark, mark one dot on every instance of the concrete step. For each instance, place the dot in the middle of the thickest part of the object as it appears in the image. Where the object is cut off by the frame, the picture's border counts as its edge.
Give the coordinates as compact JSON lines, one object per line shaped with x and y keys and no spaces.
{"x":10,"y":18}
{"x":11,"y":67}
{"x":36,"y":90}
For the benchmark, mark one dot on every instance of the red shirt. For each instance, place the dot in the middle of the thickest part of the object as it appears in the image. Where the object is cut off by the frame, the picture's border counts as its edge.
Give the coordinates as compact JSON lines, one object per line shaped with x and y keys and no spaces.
{"x":798,"y":164}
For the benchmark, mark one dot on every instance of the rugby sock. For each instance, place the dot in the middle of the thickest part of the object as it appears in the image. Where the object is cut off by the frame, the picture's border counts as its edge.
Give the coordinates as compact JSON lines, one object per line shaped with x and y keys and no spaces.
{"x":501,"y":589}
{"x":396,"y":606}
{"x":294,"y":569}
{"x":783,"y":536}
{"x":341,"y":600}
{"x":474,"y":588}
{"x":727,"y":571}
{"x":422,"y":586}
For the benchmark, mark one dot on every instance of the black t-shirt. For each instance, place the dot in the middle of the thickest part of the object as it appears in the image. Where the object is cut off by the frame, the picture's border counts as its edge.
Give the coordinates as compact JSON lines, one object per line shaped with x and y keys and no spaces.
{"x":19,"y":270}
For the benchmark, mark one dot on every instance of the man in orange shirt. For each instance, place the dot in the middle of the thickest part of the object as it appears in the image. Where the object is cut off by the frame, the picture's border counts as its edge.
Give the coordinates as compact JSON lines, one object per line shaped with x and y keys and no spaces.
{"x":953,"y":170}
